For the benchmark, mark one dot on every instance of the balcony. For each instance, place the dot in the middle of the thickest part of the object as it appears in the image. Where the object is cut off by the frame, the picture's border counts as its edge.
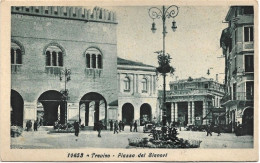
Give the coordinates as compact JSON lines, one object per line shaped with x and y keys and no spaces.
{"x":237,"y":96}
{"x":187,"y":92}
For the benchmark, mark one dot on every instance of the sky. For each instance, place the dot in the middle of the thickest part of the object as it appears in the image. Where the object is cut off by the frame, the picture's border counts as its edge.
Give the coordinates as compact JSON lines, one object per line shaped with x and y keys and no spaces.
{"x":194,"y":46}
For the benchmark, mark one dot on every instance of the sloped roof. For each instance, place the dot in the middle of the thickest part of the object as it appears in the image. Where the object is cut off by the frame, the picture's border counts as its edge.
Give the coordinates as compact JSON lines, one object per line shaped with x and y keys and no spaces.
{"x":121,"y":61}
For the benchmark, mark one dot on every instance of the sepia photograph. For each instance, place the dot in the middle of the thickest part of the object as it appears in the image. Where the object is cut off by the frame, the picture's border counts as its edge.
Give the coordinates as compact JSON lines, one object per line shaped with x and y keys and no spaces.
{"x":127,"y":78}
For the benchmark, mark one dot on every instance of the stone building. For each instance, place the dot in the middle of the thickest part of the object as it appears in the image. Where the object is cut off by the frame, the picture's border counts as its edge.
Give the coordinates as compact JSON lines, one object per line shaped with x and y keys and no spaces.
{"x":137,"y":91}
{"x":193,"y":101}
{"x":47,"y":40}
{"x":66,"y":57}
{"x":237,"y":42}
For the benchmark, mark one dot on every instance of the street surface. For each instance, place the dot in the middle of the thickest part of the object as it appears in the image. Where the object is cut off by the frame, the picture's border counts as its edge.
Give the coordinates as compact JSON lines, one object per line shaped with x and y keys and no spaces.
{"x":89,"y":139}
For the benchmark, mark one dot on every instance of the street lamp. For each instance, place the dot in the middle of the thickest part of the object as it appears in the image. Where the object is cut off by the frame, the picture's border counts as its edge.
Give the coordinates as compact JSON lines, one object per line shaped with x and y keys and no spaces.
{"x":65,"y":94}
{"x":165,"y":13}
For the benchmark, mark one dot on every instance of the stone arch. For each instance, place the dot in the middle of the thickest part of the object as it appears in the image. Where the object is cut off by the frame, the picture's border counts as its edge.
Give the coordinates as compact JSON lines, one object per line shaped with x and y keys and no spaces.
{"x":127,"y":113}
{"x":17,"y":108}
{"x":145,"y":113}
{"x":248,"y":120}
{"x":54,"y":107}
{"x":19,"y":44}
{"x":92,"y":108}
{"x":54,"y":44}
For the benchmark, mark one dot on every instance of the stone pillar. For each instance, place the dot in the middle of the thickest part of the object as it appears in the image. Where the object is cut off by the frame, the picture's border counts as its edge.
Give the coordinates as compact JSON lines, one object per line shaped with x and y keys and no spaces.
{"x":189,"y":112}
{"x":176,"y":111}
{"x":137,"y":82}
{"x":72,"y":112}
{"x":205,"y":107}
{"x":29,"y":112}
{"x":119,"y":82}
{"x":133,"y":84}
{"x":192,"y":113}
{"x":172,"y":112}
{"x":150,"y":85}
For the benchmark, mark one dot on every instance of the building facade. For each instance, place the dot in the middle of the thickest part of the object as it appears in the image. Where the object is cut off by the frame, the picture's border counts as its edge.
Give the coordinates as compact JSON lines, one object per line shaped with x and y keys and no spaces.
{"x":137,"y":92}
{"x":192,"y":101}
{"x":64,"y":67}
{"x":48,"y":40}
{"x":237,"y":42}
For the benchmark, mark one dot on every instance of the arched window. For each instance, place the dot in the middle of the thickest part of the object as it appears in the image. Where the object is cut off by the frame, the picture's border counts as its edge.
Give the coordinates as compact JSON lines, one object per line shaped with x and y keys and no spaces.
{"x":99,"y":62}
{"x":144,"y":85}
{"x":127,"y":84}
{"x":93,"y":58}
{"x":88,"y":60}
{"x":16,"y":54}
{"x":94,"y":61}
{"x":54,"y":57}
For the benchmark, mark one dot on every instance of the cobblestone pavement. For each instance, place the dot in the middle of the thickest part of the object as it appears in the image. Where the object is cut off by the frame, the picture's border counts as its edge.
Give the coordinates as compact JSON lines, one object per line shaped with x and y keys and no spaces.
{"x":89,"y":139}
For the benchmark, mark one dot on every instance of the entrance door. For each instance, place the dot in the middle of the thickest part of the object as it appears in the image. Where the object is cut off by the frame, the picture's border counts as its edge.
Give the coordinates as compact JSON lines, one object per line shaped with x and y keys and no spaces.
{"x":127,"y":113}
{"x":145,"y":114}
{"x":248,"y":121}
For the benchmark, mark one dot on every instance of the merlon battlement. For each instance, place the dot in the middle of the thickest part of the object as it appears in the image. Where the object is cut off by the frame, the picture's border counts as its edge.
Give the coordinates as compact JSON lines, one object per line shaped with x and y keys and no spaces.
{"x":77,"y":13}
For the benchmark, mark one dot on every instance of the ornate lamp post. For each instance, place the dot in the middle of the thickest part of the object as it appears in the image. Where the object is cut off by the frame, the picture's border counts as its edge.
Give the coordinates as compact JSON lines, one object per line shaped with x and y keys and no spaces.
{"x":65,"y":93}
{"x":164,"y":60}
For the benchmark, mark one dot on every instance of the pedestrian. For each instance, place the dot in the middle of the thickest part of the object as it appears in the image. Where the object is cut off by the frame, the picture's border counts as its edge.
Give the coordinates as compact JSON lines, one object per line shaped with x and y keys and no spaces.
{"x":123,"y":125}
{"x":28,"y":125}
{"x":35,"y":125}
{"x":99,"y":128}
{"x":116,"y":127}
{"x":111,"y":125}
{"x":131,"y":126}
{"x":120,"y":126}
{"x":76,"y":128}
{"x":135,"y":126}
{"x":208,"y":130}
{"x":218,"y":130}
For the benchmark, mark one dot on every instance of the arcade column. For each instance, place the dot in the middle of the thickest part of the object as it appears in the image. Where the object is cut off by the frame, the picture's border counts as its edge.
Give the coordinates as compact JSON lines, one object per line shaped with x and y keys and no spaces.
{"x":189,"y":112}
{"x":192,"y":113}
{"x":172,"y":112}
{"x":205,"y":107}
{"x":176,"y":111}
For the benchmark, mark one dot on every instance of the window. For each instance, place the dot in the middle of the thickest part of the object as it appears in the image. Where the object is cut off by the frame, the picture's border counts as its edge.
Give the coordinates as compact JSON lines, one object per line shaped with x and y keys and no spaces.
{"x":248,"y":10}
{"x":248,"y":34}
{"x":54,"y":57}
{"x":234,"y":91}
{"x":235,"y":37}
{"x":175,"y":87}
{"x":93,"y":61}
{"x":206,"y":86}
{"x":127,"y":84}
{"x":88,"y":60}
{"x":144,"y":84}
{"x":16,"y":56}
{"x":93,"y":58}
{"x":249,"y":63}
{"x":249,"y":90}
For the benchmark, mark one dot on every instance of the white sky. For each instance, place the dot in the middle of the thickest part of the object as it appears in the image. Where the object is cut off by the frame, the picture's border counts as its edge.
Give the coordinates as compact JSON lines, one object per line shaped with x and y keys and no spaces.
{"x":194,"y":46}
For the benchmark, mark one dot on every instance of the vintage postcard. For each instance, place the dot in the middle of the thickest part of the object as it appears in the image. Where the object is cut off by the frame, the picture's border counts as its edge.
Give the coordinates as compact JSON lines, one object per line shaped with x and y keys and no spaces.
{"x":129,"y":81}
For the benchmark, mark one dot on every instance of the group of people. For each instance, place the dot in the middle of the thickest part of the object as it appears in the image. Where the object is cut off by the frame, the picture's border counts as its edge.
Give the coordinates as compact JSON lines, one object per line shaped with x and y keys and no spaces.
{"x":99,"y":127}
{"x":209,"y":129}
{"x":29,"y":125}
{"x":121,"y":125}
